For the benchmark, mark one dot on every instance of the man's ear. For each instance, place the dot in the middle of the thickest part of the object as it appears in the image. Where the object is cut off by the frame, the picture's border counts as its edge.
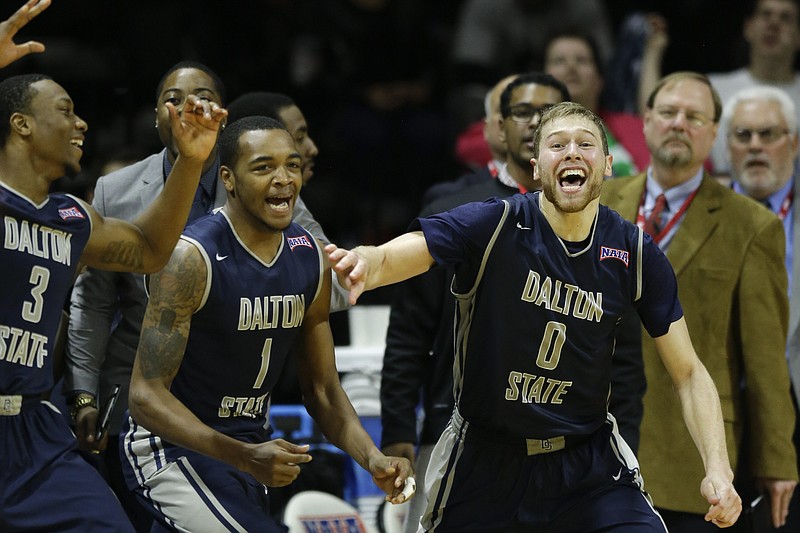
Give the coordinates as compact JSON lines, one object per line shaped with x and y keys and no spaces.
{"x":535,"y":169}
{"x":21,"y":124}
{"x":228,"y":178}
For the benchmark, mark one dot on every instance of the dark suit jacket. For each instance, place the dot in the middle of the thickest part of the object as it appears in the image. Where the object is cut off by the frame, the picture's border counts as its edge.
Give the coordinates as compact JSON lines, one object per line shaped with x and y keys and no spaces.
{"x":728,"y":256}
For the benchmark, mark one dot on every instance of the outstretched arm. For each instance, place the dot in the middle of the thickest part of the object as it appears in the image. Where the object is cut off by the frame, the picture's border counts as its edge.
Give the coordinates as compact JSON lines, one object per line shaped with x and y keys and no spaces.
{"x":367,"y":267}
{"x":329,"y":405}
{"x":9,"y":51}
{"x":145,"y":244}
{"x":703,"y":416}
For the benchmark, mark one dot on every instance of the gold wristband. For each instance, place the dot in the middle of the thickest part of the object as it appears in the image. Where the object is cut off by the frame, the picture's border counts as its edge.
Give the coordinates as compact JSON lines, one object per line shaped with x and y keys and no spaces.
{"x":80,"y":401}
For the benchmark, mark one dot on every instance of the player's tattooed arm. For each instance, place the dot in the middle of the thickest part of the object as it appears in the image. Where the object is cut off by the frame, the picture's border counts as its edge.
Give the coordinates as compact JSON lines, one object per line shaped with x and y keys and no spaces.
{"x":175,"y":293}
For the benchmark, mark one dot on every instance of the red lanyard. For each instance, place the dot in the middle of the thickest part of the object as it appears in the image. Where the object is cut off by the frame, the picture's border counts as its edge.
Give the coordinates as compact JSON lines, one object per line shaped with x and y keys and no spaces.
{"x":672,"y":221}
{"x":493,"y":170}
{"x":786,"y":205}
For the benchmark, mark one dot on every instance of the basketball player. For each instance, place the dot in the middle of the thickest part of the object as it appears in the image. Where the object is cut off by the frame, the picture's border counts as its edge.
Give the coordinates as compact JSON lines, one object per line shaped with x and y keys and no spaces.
{"x":541,"y":281}
{"x":44,"y":484}
{"x":242,"y":285}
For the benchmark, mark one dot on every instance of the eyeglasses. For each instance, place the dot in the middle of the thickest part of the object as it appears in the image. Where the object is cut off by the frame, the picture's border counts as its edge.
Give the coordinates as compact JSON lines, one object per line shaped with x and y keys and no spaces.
{"x":765,"y":135}
{"x":524,"y":113}
{"x":694,"y":118}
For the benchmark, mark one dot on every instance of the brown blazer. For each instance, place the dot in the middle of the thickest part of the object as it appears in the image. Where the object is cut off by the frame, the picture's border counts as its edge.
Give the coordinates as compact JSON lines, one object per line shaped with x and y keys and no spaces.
{"x":728,"y":256}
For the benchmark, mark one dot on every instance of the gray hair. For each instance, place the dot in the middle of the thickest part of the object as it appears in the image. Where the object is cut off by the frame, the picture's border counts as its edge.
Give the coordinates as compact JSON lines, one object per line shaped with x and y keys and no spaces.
{"x":764,"y":93}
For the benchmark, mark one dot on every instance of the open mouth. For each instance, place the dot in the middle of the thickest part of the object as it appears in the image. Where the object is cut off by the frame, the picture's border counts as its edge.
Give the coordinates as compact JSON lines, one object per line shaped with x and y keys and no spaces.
{"x":279,"y":203}
{"x":78,"y":143}
{"x":572,"y":179}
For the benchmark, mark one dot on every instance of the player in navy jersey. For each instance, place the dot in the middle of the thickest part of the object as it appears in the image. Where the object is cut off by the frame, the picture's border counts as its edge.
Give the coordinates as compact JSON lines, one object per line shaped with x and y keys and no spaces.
{"x":243,"y":286}
{"x":45,"y":484}
{"x":541,"y":282}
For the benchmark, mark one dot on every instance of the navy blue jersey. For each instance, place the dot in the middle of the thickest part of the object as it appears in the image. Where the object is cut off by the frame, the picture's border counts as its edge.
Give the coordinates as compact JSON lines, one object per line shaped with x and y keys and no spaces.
{"x":536,"y":316}
{"x":242,"y":332}
{"x":42,"y":245}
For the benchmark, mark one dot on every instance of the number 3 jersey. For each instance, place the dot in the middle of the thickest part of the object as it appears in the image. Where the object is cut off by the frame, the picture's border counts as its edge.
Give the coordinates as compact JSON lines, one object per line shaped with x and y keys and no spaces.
{"x":42,"y":245}
{"x":243,"y":330}
{"x":536,"y":316}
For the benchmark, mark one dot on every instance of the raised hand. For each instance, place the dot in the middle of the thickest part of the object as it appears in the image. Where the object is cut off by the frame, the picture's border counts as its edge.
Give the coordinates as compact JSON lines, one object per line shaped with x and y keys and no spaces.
{"x":9,"y":51}
{"x":196,"y":126}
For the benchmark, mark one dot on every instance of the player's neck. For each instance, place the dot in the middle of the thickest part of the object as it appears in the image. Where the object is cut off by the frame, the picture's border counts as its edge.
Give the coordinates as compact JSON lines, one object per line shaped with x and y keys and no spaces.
{"x":523,"y":176}
{"x":572,"y":227}
{"x":263,"y":242}
{"x":23,"y":178}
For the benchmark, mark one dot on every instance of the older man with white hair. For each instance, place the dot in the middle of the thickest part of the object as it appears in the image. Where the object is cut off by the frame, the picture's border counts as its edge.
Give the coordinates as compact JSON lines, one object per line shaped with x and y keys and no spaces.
{"x":762,"y":145}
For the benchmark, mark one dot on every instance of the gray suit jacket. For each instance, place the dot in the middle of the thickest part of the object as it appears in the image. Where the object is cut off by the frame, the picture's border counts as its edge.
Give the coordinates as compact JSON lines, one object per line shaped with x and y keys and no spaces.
{"x":107,"y":308}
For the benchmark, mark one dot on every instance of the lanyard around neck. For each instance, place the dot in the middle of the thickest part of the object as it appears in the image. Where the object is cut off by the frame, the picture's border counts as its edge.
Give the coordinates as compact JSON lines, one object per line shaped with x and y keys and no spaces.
{"x":672,"y":221}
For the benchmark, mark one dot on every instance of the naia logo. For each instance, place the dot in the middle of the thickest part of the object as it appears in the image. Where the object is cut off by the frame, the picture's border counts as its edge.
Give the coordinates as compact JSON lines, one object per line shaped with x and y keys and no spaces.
{"x":613,"y":253}
{"x":294,"y":242}
{"x":70,"y":212}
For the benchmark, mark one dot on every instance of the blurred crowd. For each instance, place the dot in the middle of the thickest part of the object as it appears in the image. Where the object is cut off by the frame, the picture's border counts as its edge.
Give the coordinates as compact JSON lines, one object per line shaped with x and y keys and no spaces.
{"x":386,"y":86}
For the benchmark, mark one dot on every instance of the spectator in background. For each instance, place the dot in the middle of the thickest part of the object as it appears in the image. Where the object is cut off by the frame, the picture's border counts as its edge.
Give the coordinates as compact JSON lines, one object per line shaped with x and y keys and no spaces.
{"x":486,"y":152}
{"x":390,"y":115}
{"x":728,"y":256}
{"x":762,"y":144}
{"x":494,"y":38}
{"x":772,"y":31}
{"x":572,"y":57}
{"x":106,"y":308}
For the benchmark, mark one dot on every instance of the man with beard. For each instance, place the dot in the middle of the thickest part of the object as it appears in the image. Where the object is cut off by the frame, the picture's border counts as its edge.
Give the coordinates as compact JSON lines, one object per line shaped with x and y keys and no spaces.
{"x":728,"y":256}
{"x":541,"y":281}
{"x":762,"y":146}
{"x":772,"y":32}
{"x":243,"y":286}
{"x":419,"y":339}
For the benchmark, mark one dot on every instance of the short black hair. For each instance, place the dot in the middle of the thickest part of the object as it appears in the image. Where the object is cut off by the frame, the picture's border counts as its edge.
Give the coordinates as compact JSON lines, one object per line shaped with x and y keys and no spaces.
{"x":262,"y":104}
{"x":16,"y":94}
{"x":218,"y":85}
{"x":229,"y":139}
{"x":530,"y":78}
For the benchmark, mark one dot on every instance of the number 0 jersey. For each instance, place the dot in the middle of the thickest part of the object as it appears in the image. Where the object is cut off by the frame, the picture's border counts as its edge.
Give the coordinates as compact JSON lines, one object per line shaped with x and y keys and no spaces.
{"x":42,"y":245}
{"x":536,"y":316}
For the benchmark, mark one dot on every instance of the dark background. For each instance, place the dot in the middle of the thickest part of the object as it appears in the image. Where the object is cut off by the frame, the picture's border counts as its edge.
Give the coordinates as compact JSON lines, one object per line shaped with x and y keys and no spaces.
{"x":369,"y":178}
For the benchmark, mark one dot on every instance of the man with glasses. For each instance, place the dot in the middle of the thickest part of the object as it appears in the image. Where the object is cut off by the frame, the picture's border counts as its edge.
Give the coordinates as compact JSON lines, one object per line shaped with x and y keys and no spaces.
{"x":772,"y":32}
{"x":762,"y":147}
{"x":728,"y":255}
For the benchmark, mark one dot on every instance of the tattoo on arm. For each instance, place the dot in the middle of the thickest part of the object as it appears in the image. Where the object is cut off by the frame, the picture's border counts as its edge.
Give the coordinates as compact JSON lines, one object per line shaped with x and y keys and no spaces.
{"x":176,"y":292}
{"x":124,"y":253}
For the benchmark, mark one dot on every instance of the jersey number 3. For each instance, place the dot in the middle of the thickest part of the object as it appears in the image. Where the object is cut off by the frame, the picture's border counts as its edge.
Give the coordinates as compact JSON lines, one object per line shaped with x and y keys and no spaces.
{"x":32,"y":311}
